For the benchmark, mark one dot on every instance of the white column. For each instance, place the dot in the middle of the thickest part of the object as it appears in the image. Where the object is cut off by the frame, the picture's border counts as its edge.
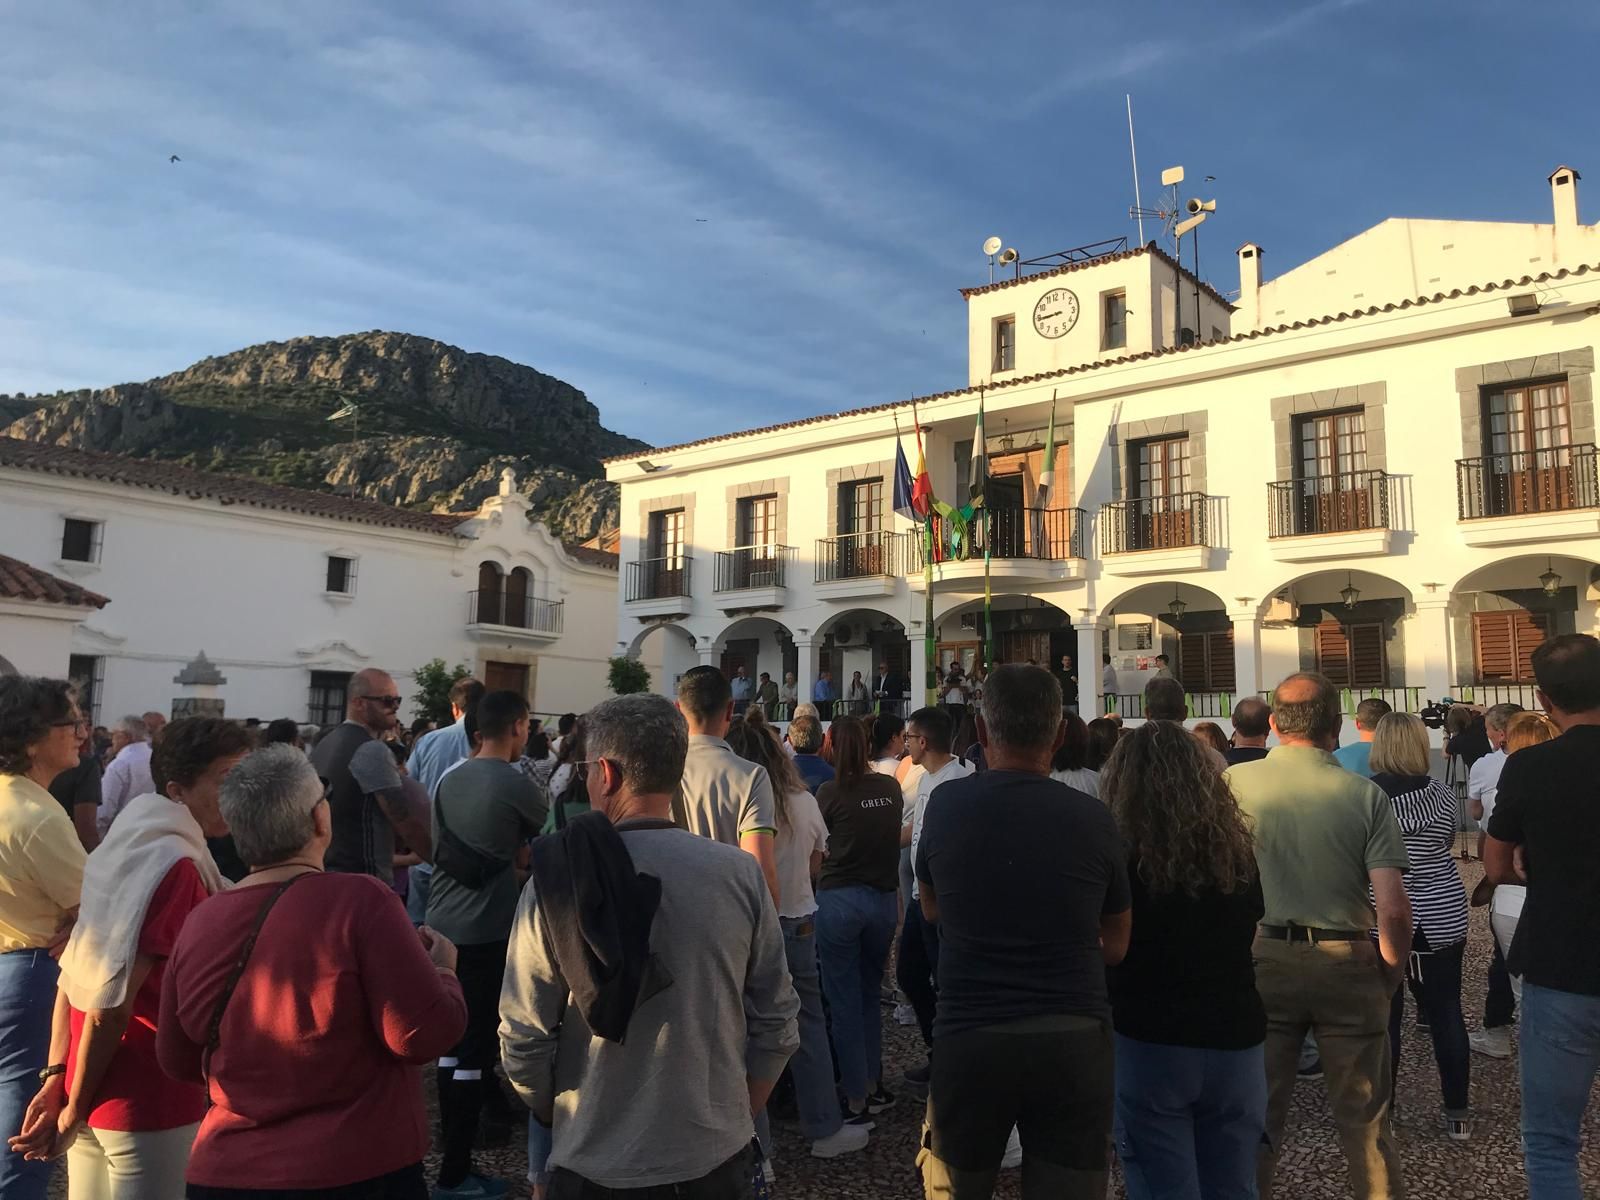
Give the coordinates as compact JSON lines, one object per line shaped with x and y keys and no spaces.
{"x":805,"y":668}
{"x":1246,"y":652}
{"x":710,"y":653}
{"x":1432,"y":625}
{"x":1090,"y":702}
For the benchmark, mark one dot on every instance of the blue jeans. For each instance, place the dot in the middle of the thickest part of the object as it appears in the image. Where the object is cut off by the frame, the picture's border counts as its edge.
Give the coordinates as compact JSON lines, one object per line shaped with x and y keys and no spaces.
{"x":417,"y":896}
{"x":27,"y":1000}
{"x":812,"y":1064}
{"x":855,"y":926}
{"x":1189,"y":1123}
{"x":1560,"y":1054}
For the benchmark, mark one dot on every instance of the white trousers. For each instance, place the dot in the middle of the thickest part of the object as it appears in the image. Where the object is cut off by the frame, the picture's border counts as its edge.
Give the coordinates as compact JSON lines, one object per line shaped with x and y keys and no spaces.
{"x":1505,"y":928}
{"x":103,"y":1164}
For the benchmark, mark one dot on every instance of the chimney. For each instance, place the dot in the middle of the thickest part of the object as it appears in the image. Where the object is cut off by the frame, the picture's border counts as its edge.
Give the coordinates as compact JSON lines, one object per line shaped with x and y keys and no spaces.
{"x":1250,"y":284}
{"x":1564,"y":193}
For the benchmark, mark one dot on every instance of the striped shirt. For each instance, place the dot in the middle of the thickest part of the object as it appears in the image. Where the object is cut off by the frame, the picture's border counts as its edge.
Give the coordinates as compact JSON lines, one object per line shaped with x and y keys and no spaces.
{"x":1427,"y":810}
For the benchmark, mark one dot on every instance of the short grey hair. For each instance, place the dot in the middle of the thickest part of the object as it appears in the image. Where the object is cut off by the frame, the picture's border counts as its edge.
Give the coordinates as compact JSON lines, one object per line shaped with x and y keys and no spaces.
{"x":1022,"y":707}
{"x":134,"y":727}
{"x":644,"y":736}
{"x":1498,"y":716}
{"x":1317,"y":718}
{"x":267,"y":801}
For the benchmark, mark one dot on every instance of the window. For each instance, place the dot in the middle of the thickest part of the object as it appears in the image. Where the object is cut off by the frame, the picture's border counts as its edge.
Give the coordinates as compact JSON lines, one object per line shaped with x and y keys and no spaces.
{"x":861,"y":507}
{"x":329,"y":697}
{"x":1205,"y":661}
{"x":1005,"y":344}
{"x":1114,"y":320}
{"x":1504,"y":643}
{"x":756,"y":523}
{"x":1332,"y":445}
{"x":341,"y":575}
{"x":1352,"y":655}
{"x":1527,"y":420}
{"x":87,"y":674}
{"x":80,"y":540}
{"x":1161,"y":467}
{"x":666,"y":535}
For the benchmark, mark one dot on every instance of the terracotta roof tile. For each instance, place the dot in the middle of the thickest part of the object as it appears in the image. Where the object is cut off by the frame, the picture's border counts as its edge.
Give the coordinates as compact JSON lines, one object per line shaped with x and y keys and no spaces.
{"x":1084,"y":368}
{"x":588,"y":554}
{"x":19,"y":581}
{"x":1067,"y":268}
{"x":225,"y":489}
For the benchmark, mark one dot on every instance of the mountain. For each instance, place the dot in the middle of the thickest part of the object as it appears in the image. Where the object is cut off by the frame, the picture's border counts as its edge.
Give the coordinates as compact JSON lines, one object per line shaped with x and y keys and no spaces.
{"x":433,"y":425}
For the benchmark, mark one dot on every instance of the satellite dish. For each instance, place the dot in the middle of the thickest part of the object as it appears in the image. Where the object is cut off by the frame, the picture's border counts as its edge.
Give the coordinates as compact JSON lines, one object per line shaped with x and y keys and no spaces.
{"x":1008,"y":256}
{"x":991,"y":247}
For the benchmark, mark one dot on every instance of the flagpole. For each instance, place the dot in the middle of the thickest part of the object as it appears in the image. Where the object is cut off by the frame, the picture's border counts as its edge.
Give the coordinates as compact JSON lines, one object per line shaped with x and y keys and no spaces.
{"x":930,"y":647}
{"x":988,"y":611}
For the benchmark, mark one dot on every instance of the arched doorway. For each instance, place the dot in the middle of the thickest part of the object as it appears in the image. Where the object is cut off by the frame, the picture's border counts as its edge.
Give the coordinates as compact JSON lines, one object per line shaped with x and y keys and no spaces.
{"x":759,"y":646}
{"x":668,"y":651}
{"x":519,"y":589}
{"x":491,"y":594}
{"x":1173,"y":628}
{"x":1026,"y":629}
{"x":1501,"y":612}
{"x":861,"y":640}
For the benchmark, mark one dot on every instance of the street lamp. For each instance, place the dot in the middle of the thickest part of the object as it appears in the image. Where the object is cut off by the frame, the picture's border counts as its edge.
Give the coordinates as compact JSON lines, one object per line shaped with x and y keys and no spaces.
{"x":1349,"y":593}
{"x":1177,"y":607}
{"x":1550,"y":581}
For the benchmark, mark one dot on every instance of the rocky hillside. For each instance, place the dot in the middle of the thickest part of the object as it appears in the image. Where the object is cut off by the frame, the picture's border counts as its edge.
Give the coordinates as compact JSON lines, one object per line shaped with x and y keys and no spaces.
{"x":434,"y":426}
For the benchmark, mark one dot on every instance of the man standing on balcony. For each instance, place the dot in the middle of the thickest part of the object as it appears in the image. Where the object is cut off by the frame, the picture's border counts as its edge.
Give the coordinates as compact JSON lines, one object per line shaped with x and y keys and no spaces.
{"x":788,"y":695}
{"x":1067,"y":677}
{"x":822,"y":695}
{"x":767,"y":697}
{"x":743,"y":690}
{"x":1108,"y":681}
{"x":1164,"y":667}
{"x":1358,"y":755}
{"x":857,"y":696}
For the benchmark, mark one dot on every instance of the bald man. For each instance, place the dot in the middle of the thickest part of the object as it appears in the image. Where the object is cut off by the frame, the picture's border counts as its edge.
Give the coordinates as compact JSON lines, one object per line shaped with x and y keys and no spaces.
{"x":365,"y":798}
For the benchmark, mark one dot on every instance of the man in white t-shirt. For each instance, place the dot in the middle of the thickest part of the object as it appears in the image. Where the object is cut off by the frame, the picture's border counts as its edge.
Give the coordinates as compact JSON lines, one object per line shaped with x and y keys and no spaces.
{"x":1500,"y":1001}
{"x":928,"y":735}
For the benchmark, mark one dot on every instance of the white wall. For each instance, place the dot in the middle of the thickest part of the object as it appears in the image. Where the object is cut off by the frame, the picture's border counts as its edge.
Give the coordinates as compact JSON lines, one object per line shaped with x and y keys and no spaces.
{"x":246,"y":586}
{"x":35,"y":638}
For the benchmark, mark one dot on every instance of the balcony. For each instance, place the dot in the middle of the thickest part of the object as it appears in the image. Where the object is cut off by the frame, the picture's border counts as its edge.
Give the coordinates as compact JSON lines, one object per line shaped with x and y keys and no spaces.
{"x":858,"y":564}
{"x":1528,"y":496}
{"x":749,"y":578}
{"x":506,"y":614}
{"x":1026,"y":545}
{"x":659,"y":587}
{"x":1323,"y":517}
{"x":1157,"y":535}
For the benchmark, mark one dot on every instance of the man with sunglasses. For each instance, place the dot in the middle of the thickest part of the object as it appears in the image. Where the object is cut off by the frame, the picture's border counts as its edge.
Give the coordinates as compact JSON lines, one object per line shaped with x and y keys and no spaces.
{"x":365,"y":796}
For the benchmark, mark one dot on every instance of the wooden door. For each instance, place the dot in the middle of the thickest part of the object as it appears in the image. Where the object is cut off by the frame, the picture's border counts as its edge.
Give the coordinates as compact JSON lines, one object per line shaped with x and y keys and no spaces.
{"x":491,"y":594}
{"x":1022,"y":645}
{"x":1161,"y":484}
{"x":1205,"y":661}
{"x":1504,"y":643}
{"x":506,"y":677}
{"x":1332,"y":468}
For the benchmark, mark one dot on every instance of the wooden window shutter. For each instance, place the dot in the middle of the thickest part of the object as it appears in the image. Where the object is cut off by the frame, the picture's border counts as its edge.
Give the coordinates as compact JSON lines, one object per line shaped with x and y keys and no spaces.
{"x":1367,"y":660}
{"x":1220,"y":655}
{"x":1505,"y":642}
{"x":1333,"y":653}
{"x":1192,"y":661}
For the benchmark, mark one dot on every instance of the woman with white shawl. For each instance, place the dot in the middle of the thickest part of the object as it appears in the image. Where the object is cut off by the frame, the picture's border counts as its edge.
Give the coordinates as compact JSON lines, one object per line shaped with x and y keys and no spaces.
{"x":125,"y":1126}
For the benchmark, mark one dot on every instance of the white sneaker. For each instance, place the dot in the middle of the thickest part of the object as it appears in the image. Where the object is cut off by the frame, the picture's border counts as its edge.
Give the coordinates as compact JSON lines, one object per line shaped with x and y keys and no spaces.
{"x":847,"y":1140}
{"x":904,"y":1014}
{"x":768,"y":1172}
{"x":1013,"y":1158}
{"x":1491,"y":1043}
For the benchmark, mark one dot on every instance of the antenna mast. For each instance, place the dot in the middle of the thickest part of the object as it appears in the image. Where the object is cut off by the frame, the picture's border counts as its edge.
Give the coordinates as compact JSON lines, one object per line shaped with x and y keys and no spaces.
{"x":1133,"y":153}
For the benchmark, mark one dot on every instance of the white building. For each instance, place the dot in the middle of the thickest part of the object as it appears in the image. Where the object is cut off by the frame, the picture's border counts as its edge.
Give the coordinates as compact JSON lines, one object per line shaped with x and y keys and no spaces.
{"x":286,"y":592}
{"x":1381,"y":465}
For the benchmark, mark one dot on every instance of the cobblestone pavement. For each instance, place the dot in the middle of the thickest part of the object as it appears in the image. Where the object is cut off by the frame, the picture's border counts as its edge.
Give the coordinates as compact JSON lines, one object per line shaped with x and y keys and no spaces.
{"x":1312,"y":1166}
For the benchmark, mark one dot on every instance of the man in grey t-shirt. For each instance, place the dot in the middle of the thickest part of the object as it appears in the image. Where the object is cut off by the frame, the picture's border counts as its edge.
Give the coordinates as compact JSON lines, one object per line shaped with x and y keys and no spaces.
{"x":490,"y":810}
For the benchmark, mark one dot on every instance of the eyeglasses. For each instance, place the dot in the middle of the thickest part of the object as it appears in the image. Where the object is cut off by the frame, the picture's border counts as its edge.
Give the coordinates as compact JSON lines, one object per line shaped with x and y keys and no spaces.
{"x":75,"y":723}
{"x":386,"y":701}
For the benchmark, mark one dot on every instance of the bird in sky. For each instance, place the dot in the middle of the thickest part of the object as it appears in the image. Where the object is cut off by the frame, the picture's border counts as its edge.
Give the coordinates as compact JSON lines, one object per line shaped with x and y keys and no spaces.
{"x":701,"y":220}
{"x":174,"y":159}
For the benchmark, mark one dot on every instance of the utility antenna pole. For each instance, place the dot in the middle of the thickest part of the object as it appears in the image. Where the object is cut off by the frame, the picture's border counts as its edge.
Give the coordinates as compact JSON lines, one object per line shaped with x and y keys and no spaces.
{"x":1133,"y":152}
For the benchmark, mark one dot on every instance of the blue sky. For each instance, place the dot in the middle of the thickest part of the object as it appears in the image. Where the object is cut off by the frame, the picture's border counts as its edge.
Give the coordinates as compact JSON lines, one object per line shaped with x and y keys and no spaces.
{"x":710,"y":216}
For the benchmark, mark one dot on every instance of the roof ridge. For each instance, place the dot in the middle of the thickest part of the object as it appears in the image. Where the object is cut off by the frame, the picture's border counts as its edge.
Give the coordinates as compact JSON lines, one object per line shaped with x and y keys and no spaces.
{"x":1081,"y":368}
{"x":1149,"y":247}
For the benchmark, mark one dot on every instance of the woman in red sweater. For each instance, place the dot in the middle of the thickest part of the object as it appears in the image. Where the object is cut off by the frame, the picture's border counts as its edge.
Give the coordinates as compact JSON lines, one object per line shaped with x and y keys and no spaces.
{"x":311,"y":1057}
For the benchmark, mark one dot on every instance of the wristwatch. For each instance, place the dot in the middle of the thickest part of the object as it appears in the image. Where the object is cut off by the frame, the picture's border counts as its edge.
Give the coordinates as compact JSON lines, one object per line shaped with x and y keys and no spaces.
{"x":50,"y":1072}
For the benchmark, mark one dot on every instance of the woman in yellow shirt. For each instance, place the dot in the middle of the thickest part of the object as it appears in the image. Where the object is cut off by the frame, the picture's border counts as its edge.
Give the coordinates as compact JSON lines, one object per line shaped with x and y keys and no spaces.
{"x":41,"y":872}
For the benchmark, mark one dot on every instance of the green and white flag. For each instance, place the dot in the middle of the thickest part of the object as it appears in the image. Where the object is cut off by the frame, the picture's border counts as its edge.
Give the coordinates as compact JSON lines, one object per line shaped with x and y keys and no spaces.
{"x":1047,"y":473}
{"x":978,"y":484}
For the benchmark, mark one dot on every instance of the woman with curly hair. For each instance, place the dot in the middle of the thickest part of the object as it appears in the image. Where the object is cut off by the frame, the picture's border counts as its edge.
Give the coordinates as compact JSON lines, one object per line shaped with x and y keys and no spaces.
{"x":1191,"y":1090}
{"x":41,"y":861}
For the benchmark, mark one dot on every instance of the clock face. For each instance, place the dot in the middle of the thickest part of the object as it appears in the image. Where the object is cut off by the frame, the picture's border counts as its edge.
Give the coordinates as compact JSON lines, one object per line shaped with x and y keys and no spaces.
{"x":1056,"y":313}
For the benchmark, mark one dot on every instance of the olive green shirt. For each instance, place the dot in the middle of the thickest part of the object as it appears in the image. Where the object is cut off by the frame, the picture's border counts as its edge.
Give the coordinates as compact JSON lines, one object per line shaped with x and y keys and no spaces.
{"x":1318,"y":830}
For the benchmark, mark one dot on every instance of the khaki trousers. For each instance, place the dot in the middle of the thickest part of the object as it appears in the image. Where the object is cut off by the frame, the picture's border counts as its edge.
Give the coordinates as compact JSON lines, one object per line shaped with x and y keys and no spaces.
{"x":1335,"y":990}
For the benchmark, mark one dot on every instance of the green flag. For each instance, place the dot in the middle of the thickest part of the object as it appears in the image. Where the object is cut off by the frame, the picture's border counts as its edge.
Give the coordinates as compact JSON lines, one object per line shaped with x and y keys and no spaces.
{"x":979,"y":481}
{"x":1047,"y":473}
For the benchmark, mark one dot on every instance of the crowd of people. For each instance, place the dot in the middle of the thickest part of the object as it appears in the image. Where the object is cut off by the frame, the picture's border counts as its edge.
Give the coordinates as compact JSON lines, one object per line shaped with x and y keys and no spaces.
{"x":226,"y":953}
